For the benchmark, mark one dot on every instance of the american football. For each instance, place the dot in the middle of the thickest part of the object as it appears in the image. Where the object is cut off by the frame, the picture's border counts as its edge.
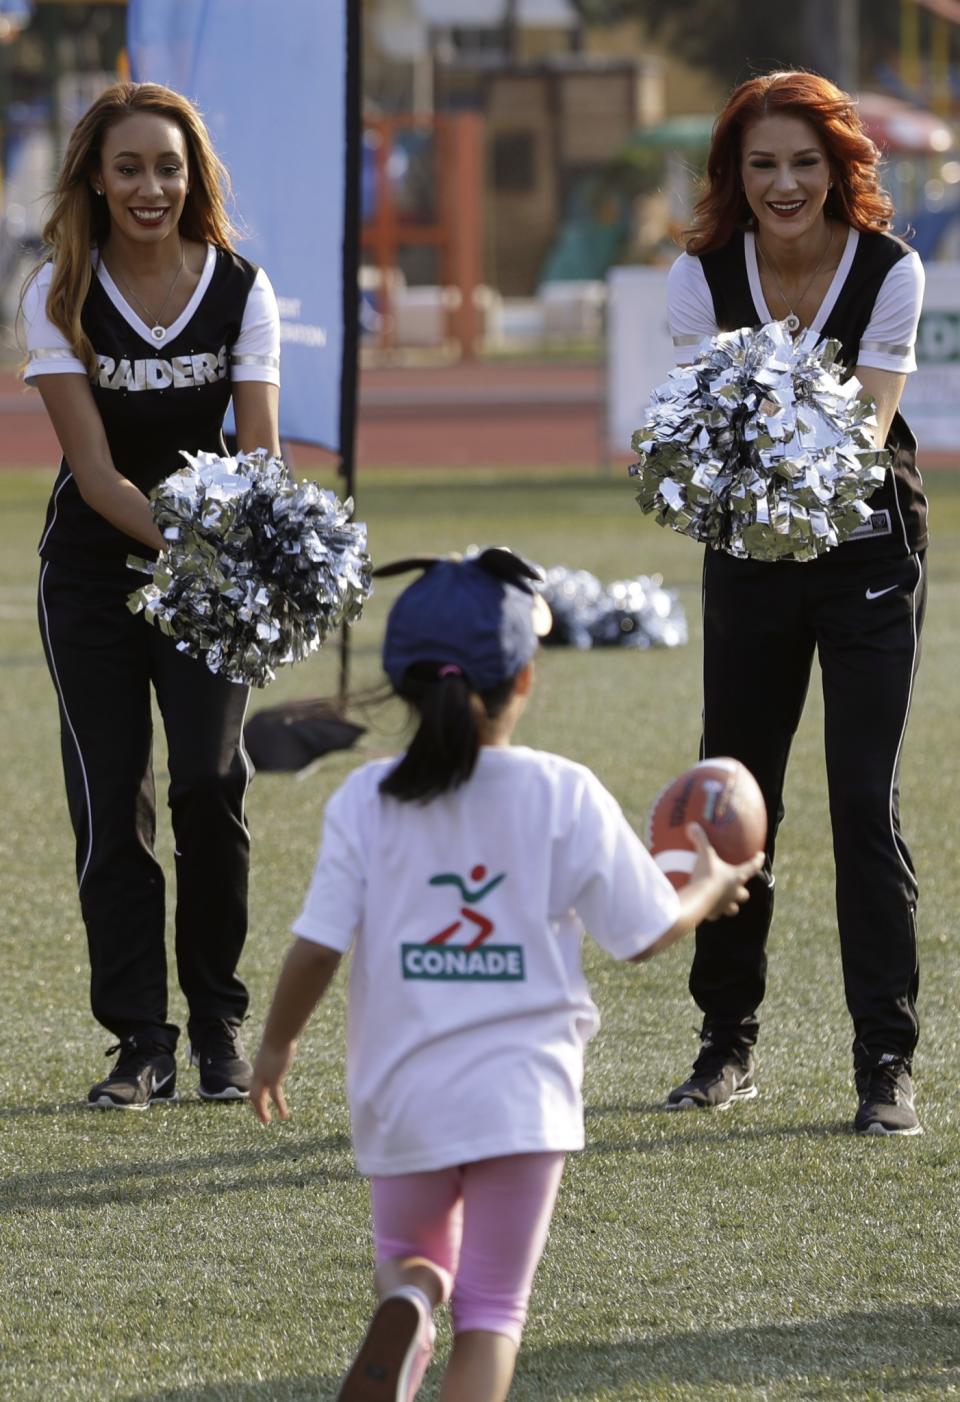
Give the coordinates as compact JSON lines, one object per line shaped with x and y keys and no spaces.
{"x":725,"y":799}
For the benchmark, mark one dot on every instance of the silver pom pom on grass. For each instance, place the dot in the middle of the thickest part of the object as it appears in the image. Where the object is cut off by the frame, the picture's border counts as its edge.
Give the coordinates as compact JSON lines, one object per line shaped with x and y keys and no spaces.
{"x":638,"y":613}
{"x":758,"y":448}
{"x":258,"y":569}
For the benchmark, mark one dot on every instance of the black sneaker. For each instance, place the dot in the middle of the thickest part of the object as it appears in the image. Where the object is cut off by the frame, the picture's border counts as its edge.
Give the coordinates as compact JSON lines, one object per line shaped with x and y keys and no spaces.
{"x":886,"y":1097}
{"x":144,"y":1075}
{"x":382,"y":1369}
{"x":721,"y":1075}
{"x":225,"y":1072}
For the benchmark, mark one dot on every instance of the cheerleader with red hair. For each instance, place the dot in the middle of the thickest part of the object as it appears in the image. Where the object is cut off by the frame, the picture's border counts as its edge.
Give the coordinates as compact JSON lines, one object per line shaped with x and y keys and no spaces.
{"x":794,"y":226}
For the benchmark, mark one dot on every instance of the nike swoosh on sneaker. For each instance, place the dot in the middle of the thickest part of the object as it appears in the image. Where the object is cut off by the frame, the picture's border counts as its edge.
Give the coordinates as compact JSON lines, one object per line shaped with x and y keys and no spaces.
{"x":159,"y":1085}
{"x":878,"y":593}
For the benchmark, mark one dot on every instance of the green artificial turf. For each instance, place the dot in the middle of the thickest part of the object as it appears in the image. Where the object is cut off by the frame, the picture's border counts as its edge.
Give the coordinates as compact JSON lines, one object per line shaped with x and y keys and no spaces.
{"x":187,"y":1254}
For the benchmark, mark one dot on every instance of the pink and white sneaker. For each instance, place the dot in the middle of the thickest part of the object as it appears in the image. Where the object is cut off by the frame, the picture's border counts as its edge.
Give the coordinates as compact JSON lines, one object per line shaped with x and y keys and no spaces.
{"x":395,"y":1353}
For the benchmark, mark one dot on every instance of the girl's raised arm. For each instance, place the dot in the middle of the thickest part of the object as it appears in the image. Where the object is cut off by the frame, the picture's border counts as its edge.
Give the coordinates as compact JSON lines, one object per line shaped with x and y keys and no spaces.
{"x":715,"y":889}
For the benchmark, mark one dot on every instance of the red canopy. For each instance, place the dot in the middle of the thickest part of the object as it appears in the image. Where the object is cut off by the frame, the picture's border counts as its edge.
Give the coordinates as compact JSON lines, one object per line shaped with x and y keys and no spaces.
{"x":897,"y":127}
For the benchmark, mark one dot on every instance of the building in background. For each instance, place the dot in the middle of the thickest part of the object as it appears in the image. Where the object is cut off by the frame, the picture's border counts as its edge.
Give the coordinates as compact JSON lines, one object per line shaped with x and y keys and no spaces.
{"x":556,"y":113}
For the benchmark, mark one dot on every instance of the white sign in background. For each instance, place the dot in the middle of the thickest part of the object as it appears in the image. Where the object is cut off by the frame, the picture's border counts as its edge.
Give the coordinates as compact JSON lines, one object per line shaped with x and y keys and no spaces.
{"x":931,"y":399}
{"x":640,"y":355}
{"x":639,"y":349}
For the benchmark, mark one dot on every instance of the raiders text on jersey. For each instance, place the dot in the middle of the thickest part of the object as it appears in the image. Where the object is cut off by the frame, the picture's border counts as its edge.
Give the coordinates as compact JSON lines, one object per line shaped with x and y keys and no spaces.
{"x":180,"y":372}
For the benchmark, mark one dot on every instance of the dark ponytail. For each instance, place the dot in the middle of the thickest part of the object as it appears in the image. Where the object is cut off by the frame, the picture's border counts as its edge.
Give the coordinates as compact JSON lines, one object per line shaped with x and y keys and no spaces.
{"x":443,"y":752}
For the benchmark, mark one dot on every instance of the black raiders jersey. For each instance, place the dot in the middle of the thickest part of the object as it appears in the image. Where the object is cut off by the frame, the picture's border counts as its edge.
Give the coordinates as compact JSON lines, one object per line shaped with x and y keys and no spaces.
{"x":898,"y":523}
{"x":155,"y":400}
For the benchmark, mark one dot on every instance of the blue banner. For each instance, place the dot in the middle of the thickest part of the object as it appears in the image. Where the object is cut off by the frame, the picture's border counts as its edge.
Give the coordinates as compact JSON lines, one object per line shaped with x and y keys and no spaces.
{"x":276,"y":83}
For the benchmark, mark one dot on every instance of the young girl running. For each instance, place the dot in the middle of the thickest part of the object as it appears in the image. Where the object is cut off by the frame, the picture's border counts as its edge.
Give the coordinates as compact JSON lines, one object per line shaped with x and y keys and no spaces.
{"x":460,"y":874}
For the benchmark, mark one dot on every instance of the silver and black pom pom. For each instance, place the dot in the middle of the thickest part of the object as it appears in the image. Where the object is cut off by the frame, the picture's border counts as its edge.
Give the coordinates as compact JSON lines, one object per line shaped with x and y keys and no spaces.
{"x":759,"y":448}
{"x":258,"y":569}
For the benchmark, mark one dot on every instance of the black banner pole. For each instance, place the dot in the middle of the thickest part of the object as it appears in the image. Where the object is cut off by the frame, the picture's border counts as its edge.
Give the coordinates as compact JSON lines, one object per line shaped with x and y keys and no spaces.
{"x":351,"y":266}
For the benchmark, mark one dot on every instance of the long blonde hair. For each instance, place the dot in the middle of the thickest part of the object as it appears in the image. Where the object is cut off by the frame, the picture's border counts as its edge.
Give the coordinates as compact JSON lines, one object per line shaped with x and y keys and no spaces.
{"x":79,"y":220}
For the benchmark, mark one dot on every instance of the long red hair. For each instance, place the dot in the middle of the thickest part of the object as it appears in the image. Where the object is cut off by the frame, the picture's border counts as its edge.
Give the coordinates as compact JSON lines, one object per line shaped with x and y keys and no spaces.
{"x":857,"y":197}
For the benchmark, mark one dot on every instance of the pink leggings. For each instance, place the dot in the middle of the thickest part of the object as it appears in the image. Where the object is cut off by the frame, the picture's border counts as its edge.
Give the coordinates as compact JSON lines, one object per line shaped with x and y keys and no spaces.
{"x":482,"y":1225}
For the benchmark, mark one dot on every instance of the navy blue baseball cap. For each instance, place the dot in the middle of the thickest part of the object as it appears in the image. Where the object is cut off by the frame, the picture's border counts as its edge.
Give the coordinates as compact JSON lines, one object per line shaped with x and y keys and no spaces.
{"x":480,"y":615}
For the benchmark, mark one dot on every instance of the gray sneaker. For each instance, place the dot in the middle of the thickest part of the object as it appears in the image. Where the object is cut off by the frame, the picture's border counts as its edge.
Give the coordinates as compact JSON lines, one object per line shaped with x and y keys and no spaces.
{"x":886,"y":1104}
{"x":217,"y":1050}
{"x":720,"y":1077}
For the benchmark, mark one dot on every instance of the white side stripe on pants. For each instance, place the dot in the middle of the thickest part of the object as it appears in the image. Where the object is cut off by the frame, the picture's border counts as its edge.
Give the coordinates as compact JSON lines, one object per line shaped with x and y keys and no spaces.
{"x":906,"y":717}
{"x":66,"y":714}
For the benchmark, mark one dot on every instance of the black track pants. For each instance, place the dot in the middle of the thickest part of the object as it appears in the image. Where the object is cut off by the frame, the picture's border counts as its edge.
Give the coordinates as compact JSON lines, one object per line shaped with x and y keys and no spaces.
{"x":762,"y":624}
{"x":103,"y":660}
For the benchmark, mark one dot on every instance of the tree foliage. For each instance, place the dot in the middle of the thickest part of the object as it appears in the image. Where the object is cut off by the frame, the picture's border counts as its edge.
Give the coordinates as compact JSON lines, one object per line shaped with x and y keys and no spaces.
{"x":734,"y":39}
{"x":731,"y":40}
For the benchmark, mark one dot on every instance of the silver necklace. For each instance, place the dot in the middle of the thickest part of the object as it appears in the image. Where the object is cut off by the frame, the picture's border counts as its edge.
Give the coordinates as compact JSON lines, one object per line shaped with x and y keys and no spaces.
{"x":157,"y":331}
{"x":792,"y":320}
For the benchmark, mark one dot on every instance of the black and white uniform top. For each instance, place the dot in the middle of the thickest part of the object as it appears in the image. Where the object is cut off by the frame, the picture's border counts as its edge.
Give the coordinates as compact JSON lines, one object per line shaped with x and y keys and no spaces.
{"x":156,"y":396}
{"x":872,"y":307}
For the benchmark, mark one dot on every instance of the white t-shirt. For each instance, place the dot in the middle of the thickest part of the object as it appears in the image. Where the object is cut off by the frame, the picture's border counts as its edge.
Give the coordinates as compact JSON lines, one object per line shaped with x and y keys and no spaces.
{"x":887,"y":343}
{"x":468,"y":1009}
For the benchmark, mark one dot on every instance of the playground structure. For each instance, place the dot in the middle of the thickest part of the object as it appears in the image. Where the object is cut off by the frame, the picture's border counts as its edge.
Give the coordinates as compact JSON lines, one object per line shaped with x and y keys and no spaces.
{"x":422,"y":194}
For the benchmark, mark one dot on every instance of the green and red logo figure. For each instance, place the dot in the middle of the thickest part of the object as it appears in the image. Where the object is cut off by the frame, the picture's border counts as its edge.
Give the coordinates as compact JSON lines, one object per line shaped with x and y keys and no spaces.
{"x":473,"y":959}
